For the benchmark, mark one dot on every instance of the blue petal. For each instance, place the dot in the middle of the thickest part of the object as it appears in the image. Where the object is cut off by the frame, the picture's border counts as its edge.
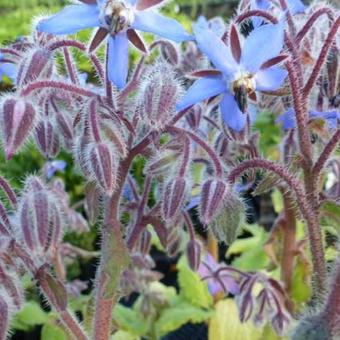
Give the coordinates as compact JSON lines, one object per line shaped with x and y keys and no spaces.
{"x":211,"y":45}
{"x":262,"y":44}
{"x":202,"y":89}
{"x":231,"y":114}
{"x":330,"y":117}
{"x":118,"y":61}
{"x":151,"y":21}
{"x":71,"y":19}
{"x":270,"y":79}
{"x":9,"y":70}
{"x":259,"y":4}
{"x":296,"y":6}
{"x":287,"y":119}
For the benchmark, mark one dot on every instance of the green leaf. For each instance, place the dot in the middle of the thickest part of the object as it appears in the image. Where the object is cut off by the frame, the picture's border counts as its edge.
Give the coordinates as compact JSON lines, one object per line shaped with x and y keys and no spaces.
{"x":277,"y":201}
{"x":29,"y":316}
{"x":130,"y":320}
{"x":192,"y":288}
{"x":330,"y":215}
{"x":250,"y":250}
{"x":122,"y":335}
{"x":52,"y":332}
{"x":173,"y":318}
{"x":225,"y":324}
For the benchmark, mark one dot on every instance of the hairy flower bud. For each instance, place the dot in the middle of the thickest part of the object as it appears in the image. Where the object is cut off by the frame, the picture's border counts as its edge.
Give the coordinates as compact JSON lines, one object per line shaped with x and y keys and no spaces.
{"x":11,"y":283}
{"x":17,"y":118}
{"x":47,"y":138}
{"x":37,"y":64}
{"x":5,"y":312}
{"x":194,"y":254}
{"x":173,"y":197}
{"x":212,"y":195}
{"x":227,"y":223}
{"x":159,"y":94}
{"x":174,"y":242}
{"x":39,"y":219}
{"x":101,"y":165}
{"x":93,"y":198}
{"x":312,"y":328}
{"x":194,"y":117}
{"x":169,"y":52}
{"x":145,"y":242}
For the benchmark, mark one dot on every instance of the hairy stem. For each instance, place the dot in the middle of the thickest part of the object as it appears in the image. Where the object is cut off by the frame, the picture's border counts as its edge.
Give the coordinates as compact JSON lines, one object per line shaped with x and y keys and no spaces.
{"x":311,"y":218}
{"x":322,"y":58}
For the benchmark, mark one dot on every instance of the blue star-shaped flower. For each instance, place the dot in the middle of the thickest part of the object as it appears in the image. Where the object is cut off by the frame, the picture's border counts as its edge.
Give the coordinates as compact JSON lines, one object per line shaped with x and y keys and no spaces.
{"x":241,"y":69}
{"x":119,"y":19}
{"x":7,"y":69}
{"x":288,"y":119}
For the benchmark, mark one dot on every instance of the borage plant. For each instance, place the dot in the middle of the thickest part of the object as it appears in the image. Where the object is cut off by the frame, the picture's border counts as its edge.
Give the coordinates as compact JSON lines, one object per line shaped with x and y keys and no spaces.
{"x":197,"y":141}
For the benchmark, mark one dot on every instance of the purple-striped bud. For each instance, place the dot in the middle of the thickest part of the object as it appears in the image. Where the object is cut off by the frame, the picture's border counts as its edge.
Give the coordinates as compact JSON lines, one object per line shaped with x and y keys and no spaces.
{"x":212,"y":196}
{"x":47,"y":138}
{"x":228,"y":222}
{"x":37,"y":64}
{"x":161,"y":163}
{"x":174,"y":242}
{"x":194,"y":117}
{"x":159,"y":94}
{"x":39,"y":219}
{"x":5,"y":312}
{"x":169,"y":52}
{"x":11,"y":283}
{"x":64,"y":125}
{"x":173,"y":198}
{"x":17,"y":118}
{"x":194,"y":254}
{"x":112,"y":133}
{"x":145,"y":242}
{"x":93,"y":197}
{"x":101,"y":165}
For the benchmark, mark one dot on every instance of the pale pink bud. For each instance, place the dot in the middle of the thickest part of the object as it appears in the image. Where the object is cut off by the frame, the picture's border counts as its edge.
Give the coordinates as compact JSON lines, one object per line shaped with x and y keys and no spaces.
{"x":37,"y":64}
{"x":173,"y":197}
{"x":102,"y":166}
{"x":194,"y":254}
{"x":47,"y":138}
{"x":194,"y":117}
{"x":17,"y":120}
{"x":93,"y":199}
{"x":5,"y":312}
{"x":39,"y":219}
{"x":169,"y":52}
{"x":212,"y":196}
{"x":145,"y":242}
{"x":159,"y":94}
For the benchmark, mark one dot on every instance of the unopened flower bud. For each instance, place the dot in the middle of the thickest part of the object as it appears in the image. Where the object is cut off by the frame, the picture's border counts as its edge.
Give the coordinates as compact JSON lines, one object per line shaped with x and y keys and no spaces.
{"x":161,"y":163}
{"x":64,"y":125}
{"x":194,"y":117}
{"x":174,"y":242}
{"x":37,"y":64}
{"x":212,"y":195}
{"x":39,"y":220}
{"x":47,"y":138}
{"x":102,"y":166}
{"x":194,"y":254}
{"x":17,"y":118}
{"x":145,"y":242}
{"x":93,"y":198}
{"x":312,"y":328}
{"x":173,"y":197}
{"x":169,"y":52}
{"x":5,"y":312}
{"x":159,"y":94}
{"x":227,"y":223}
{"x":11,"y":283}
